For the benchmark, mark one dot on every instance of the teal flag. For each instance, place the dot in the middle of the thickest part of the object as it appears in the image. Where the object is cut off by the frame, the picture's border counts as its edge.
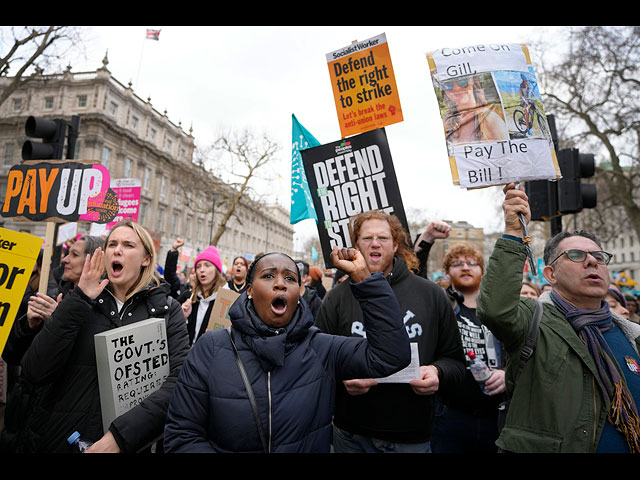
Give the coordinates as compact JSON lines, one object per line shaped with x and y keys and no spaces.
{"x":301,"y":201}
{"x":314,"y":254}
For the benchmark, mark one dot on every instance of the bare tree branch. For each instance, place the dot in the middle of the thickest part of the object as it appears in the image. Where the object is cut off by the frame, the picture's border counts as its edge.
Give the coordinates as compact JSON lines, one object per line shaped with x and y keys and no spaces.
{"x":28,"y":45}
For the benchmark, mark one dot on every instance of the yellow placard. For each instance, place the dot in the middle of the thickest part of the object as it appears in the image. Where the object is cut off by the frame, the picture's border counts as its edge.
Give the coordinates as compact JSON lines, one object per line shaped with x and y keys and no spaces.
{"x":18,"y":255}
{"x":364,"y":86}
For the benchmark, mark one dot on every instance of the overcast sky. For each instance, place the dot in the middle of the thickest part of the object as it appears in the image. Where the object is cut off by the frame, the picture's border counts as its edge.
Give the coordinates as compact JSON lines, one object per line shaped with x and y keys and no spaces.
{"x":226,"y":77}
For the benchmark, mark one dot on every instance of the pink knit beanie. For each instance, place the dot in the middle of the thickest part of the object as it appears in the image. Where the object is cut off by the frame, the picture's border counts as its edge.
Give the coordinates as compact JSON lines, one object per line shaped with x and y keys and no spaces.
{"x":211,"y":254}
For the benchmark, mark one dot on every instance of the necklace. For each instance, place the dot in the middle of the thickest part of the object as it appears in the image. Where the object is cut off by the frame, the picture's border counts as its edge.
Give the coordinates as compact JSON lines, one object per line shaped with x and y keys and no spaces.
{"x":237,"y":287}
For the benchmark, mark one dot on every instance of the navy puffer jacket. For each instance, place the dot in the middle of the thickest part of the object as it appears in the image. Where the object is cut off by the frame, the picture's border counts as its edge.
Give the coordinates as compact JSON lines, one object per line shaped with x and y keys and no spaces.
{"x":292,"y":372}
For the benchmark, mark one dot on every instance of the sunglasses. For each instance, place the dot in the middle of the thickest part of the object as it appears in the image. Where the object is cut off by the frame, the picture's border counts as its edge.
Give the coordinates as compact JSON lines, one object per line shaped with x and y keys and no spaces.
{"x":575,"y":255}
{"x":448,"y":85}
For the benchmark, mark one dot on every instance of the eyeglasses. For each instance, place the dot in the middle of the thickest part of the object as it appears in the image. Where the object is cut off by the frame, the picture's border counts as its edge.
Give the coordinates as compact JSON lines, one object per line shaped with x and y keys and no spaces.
{"x":447,"y":85}
{"x":575,"y":255}
{"x":460,"y":263}
{"x":371,"y":238}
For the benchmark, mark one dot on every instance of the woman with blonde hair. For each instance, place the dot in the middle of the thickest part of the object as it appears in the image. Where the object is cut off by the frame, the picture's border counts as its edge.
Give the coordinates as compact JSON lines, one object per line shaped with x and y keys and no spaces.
{"x":208,"y":280}
{"x":118,"y":286}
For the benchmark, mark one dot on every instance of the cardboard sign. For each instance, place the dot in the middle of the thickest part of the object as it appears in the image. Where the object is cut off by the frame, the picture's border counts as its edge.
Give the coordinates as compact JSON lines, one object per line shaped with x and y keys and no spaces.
{"x":219,"y":317}
{"x":18,"y":255}
{"x":60,"y":191}
{"x":349,"y":177}
{"x":132,"y":363}
{"x":495,"y":127}
{"x":128,"y":193}
{"x":67,"y":231}
{"x":364,"y":86}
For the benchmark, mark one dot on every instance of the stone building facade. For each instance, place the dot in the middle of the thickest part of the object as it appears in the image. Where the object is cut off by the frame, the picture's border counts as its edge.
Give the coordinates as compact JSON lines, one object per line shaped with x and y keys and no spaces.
{"x":133,"y":140}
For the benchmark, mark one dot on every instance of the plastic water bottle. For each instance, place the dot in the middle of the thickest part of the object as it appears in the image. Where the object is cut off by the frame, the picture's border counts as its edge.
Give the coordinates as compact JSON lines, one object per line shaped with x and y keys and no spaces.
{"x":78,"y":443}
{"x":479,"y":370}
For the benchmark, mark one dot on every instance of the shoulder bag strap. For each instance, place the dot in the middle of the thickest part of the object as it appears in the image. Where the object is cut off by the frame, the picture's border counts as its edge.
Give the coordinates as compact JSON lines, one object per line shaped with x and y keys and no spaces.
{"x":530,"y":342}
{"x":252,"y":399}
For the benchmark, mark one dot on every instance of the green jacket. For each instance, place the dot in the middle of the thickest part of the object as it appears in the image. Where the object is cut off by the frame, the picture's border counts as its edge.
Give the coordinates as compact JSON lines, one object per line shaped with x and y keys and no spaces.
{"x":558,"y":404}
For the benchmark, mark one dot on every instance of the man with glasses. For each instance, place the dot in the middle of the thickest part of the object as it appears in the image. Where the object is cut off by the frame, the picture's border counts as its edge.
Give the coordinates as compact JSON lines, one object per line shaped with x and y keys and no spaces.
{"x":580,"y":389}
{"x":466,"y":418}
{"x":372,"y":417}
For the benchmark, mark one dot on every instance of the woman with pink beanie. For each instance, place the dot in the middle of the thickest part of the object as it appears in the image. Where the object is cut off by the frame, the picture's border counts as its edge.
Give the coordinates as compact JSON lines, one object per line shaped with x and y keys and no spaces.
{"x":209,"y":279}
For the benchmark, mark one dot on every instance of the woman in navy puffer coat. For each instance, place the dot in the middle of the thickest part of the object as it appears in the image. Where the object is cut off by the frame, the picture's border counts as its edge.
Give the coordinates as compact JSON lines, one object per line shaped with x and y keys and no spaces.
{"x":292,"y":366}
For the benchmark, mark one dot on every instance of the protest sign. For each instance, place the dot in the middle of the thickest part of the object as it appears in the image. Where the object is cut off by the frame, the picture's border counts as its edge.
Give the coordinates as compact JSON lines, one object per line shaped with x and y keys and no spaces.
{"x":219,"y":317}
{"x":495,"y":127}
{"x":132,"y":363}
{"x":128,"y":192}
{"x":60,"y":190}
{"x":67,"y":231}
{"x":348,"y":177}
{"x":364,"y":86}
{"x":18,"y":255}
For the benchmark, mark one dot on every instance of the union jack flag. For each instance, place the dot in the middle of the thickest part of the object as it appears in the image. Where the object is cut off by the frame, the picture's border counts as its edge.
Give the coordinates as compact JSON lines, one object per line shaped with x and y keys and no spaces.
{"x":153,"y":34}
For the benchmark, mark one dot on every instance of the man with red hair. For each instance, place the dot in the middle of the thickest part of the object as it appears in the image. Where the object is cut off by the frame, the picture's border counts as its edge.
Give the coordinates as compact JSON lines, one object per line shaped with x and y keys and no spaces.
{"x":467,"y":413}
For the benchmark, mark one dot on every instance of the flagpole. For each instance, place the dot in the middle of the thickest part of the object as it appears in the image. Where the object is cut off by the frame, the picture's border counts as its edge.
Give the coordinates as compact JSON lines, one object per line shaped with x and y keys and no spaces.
{"x":144,"y":39}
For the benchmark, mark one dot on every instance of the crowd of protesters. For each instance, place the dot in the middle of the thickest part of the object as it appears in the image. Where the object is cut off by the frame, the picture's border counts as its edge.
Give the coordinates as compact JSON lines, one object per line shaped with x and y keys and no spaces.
{"x":308,"y":366}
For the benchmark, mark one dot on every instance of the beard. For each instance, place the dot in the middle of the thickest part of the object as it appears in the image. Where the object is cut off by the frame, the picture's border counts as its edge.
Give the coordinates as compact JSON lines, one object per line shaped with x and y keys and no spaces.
{"x":466,"y":283}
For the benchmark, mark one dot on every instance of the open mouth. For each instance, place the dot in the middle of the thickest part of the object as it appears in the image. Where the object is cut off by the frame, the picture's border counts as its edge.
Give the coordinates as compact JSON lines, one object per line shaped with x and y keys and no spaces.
{"x":279,"y":305}
{"x":116,"y":267}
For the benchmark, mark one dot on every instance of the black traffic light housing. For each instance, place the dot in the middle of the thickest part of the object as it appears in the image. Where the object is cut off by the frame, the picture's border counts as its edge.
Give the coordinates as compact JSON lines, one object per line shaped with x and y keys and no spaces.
{"x":52,"y":133}
{"x":573,"y":195}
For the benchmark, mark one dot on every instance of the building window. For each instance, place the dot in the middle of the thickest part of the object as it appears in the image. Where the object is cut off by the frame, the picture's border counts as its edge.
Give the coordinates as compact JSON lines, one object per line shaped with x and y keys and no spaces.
{"x":142,"y":213}
{"x":167,"y":144}
{"x":160,"y":218}
{"x":134,"y":122}
{"x":8,"y":154}
{"x":127,"y":167}
{"x":152,"y":134}
{"x":48,"y":103}
{"x":147,"y":177}
{"x":17,"y":104}
{"x":174,"y":227}
{"x":113,"y":109}
{"x":106,"y":155}
{"x":163,"y":186}
{"x":82,"y":101}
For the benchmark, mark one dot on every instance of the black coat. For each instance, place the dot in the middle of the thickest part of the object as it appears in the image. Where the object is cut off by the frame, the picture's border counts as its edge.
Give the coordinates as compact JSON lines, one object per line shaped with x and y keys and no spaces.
{"x":292,"y":371}
{"x":63,"y":355}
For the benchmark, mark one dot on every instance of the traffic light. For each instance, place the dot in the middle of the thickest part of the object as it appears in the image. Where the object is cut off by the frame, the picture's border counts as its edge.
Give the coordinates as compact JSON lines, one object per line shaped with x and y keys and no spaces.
{"x":573,"y":195}
{"x":543,"y":199}
{"x":52,"y":133}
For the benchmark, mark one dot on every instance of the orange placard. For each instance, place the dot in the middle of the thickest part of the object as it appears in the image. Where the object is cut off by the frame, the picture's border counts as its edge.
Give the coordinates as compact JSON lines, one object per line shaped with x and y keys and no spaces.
{"x":364,"y":86}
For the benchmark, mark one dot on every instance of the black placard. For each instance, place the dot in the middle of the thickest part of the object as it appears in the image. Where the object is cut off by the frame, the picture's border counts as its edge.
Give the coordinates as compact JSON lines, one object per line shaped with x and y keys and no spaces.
{"x":348,"y":177}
